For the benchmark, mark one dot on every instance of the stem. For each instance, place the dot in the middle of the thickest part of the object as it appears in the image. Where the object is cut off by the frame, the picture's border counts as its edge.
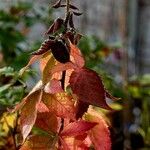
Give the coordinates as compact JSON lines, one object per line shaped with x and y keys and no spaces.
{"x":67,"y":6}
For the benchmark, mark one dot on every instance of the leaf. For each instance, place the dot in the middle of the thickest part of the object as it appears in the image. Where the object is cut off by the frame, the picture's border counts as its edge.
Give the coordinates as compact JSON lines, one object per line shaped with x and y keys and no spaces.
{"x":45,"y":46}
{"x":29,"y":112}
{"x":57,"y":4}
{"x":47,"y":121}
{"x":31,"y":61}
{"x":88,"y":87}
{"x":63,"y":67}
{"x":99,"y":135}
{"x":81,"y":108}
{"x":54,"y":86}
{"x":61,"y":104}
{"x":43,"y":61}
{"x":60,"y":51}
{"x":77,"y":128}
{"x":108,"y":95}
{"x":46,"y":76}
{"x":77,"y":56}
{"x":39,"y":142}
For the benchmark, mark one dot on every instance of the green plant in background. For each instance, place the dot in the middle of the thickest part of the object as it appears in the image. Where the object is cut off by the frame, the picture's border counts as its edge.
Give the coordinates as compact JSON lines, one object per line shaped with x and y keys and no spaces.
{"x":16,"y":23}
{"x":139,"y":89}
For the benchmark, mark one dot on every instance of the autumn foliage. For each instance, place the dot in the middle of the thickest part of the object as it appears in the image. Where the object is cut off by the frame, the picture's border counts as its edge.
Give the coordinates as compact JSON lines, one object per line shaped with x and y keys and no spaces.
{"x":62,"y":102}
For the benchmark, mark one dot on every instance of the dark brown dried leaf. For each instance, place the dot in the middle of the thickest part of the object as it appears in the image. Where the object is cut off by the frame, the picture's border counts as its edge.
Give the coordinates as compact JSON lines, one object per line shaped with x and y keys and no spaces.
{"x":73,"y":7}
{"x":58,"y":24}
{"x":60,"y":52}
{"x":77,"y":38}
{"x":71,"y":24}
{"x":57,"y":4}
{"x":46,"y":45}
{"x":77,"y":13}
{"x":50,"y":29}
{"x":67,"y":19}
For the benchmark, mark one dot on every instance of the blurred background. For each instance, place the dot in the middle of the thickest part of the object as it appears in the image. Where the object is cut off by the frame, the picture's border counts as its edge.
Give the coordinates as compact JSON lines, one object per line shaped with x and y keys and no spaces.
{"x":116,"y":44}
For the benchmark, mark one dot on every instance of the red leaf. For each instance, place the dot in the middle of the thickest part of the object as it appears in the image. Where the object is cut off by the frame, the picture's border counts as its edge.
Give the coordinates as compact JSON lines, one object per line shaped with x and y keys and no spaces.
{"x":61,"y":104}
{"x":47,"y":121}
{"x":54,"y":86}
{"x":82,"y":107}
{"x":77,"y":128}
{"x":29,"y":113}
{"x":88,"y":87}
{"x":99,"y":135}
{"x":77,"y":56}
{"x":39,"y":142}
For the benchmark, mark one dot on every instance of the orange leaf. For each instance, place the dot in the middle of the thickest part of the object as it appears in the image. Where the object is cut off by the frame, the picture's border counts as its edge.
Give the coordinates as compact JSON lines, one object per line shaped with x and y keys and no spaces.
{"x":29,"y":112}
{"x":39,"y":142}
{"x":88,"y":87}
{"x":47,"y":121}
{"x":61,"y":104}
{"x":99,"y":135}
{"x":31,"y":61}
{"x":77,"y":56}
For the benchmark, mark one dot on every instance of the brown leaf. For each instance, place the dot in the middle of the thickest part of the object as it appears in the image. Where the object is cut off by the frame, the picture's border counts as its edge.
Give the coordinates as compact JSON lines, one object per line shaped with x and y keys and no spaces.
{"x":39,"y":142}
{"x":45,"y":46}
{"x":88,"y":87}
{"x":71,"y":21}
{"x":57,"y":4}
{"x":47,"y":121}
{"x":31,"y":61}
{"x":77,"y":13}
{"x":73,"y":7}
{"x":29,"y":112}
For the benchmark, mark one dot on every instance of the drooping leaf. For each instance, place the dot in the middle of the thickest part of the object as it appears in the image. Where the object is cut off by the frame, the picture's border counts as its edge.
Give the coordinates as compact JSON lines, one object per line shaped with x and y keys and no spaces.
{"x":39,"y":142}
{"x":31,"y":61}
{"x":29,"y":112}
{"x":88,"y":87}
{"x":108,"y":95}
{"x":77,"y":56}
{"x":57,"y":4}
{"x":60,"y":51}
{"x":99,"y":135}
{"x":46,"y":45}
{"x":54,"y":86}
{"x":61,"y":104}
{"x":47,"y":121}
{"x":77,"y":128}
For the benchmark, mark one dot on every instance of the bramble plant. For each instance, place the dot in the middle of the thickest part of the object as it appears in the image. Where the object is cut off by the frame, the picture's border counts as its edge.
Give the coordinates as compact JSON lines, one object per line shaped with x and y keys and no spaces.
{"x":62,"y":103}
